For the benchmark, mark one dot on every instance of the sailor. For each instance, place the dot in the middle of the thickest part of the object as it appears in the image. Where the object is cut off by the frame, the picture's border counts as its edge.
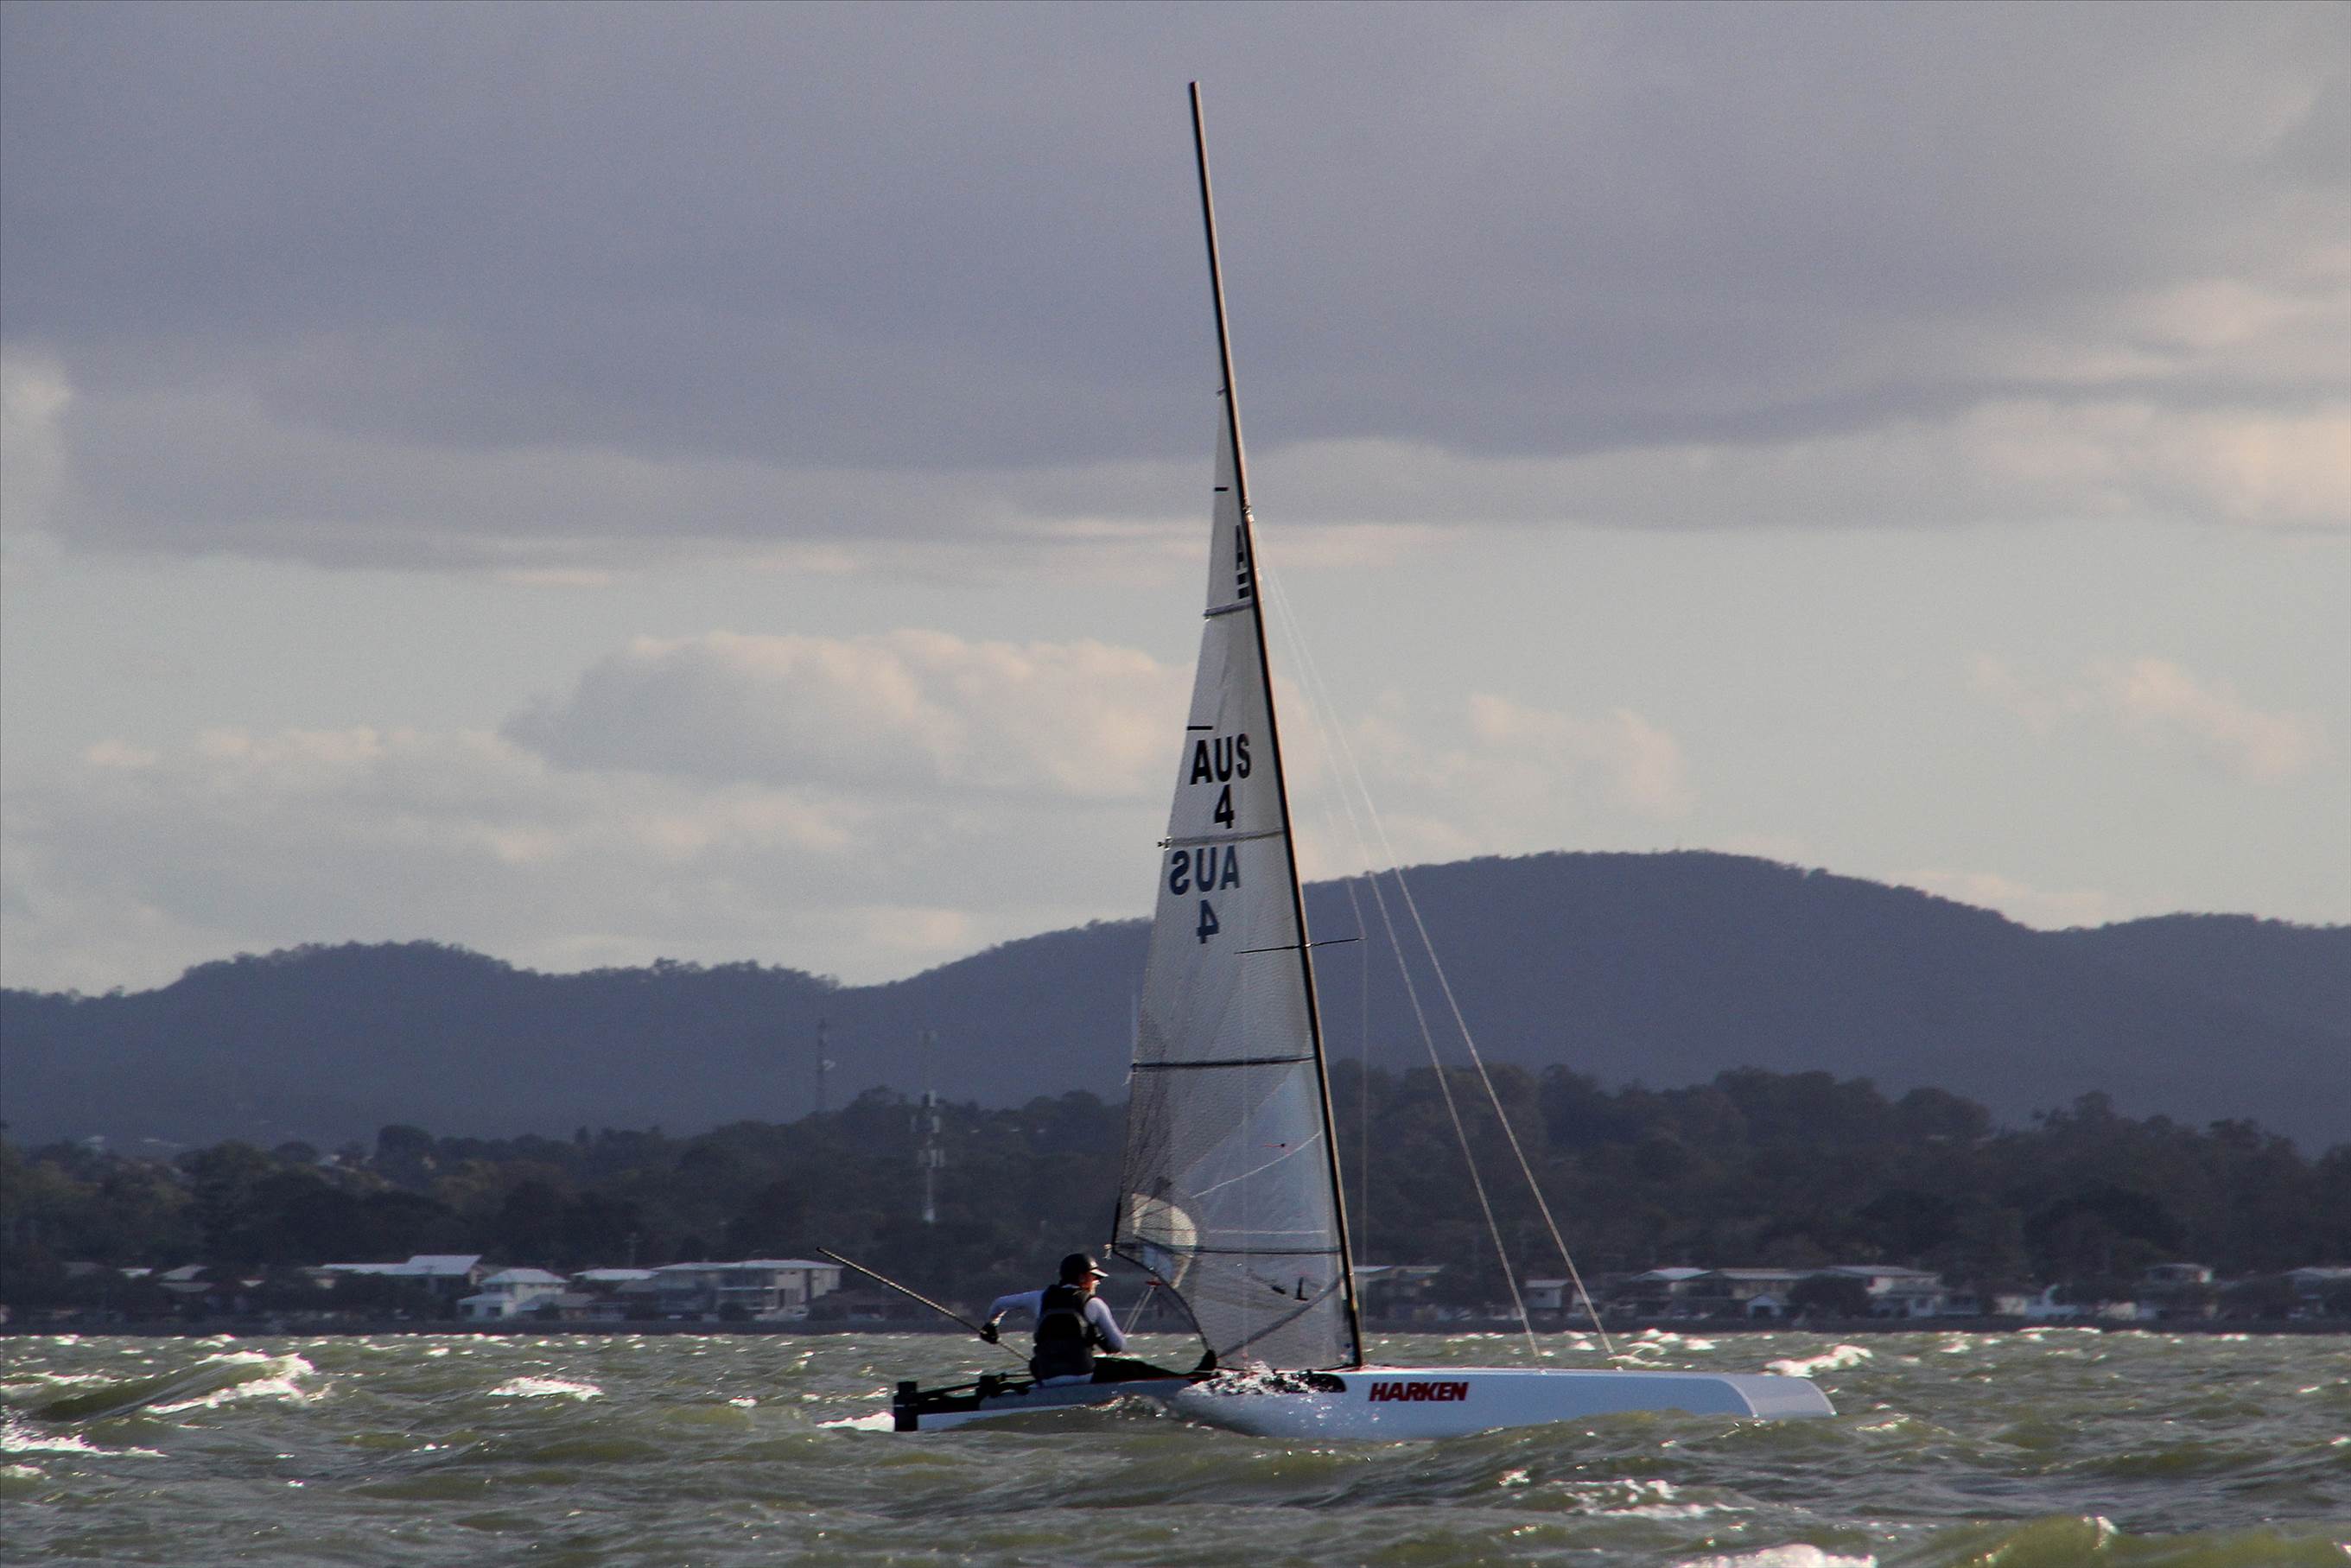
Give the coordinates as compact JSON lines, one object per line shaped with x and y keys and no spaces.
{"x":1072,"y":1323}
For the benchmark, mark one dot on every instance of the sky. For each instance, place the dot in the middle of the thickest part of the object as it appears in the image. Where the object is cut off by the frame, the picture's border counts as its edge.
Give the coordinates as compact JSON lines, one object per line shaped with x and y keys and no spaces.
{"x":594,"y":484}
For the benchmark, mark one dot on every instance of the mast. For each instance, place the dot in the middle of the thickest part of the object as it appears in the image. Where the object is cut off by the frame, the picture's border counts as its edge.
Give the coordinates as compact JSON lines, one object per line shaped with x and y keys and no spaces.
{"x":1274,"y":733}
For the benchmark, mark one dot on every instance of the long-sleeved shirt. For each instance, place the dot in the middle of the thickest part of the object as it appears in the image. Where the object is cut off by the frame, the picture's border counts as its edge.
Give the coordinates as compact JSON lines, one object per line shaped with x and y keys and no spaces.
{"x":1097,"y":1313}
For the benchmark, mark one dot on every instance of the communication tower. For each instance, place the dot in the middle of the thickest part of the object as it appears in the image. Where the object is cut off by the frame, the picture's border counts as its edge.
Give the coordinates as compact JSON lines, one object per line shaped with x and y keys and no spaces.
{"x":930,"y":1154}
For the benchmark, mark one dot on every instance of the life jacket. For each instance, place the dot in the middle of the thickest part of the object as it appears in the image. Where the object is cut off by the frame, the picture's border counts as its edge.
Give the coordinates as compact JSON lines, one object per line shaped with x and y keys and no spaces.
{"x":1065,"y":1340}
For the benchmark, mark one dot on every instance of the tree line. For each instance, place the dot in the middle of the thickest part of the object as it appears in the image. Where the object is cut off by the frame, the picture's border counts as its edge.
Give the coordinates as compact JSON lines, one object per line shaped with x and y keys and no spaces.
{"x":1754,"y":1169}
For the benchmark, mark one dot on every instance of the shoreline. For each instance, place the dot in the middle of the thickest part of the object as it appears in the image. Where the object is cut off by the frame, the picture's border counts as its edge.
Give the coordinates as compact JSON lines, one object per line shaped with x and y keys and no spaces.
{"x":251,"y":1328}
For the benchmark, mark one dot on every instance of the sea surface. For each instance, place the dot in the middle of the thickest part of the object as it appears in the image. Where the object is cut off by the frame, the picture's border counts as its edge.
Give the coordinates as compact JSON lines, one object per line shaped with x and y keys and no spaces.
{"x":2017,"y":1450}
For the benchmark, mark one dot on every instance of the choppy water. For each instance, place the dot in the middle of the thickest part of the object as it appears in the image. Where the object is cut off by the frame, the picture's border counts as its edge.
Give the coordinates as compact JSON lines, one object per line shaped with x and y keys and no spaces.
{"x":2024,"y":1450}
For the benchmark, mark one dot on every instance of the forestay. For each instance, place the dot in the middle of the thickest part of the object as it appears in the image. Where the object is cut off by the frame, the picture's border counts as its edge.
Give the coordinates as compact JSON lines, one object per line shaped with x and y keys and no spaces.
{"x":1231,"y":1195}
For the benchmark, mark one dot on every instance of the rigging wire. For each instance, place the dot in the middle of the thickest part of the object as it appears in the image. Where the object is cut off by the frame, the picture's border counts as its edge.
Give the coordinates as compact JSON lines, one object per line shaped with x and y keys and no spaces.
{"x":1317,"y":706}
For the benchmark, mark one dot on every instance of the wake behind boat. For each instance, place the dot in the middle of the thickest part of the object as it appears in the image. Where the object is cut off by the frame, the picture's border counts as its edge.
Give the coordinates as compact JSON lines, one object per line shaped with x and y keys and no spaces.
{"x":1231,"y":1199}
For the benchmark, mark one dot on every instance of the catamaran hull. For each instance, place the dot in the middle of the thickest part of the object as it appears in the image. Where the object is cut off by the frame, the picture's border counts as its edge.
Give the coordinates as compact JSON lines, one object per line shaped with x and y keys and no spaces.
{"x":936,"y":1410}
{"x":1389,"y":1404}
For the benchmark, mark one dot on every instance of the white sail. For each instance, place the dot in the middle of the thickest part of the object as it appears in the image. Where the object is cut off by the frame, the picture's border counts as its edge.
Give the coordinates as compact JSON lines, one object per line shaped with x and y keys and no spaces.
{"x":1229,"y":1190}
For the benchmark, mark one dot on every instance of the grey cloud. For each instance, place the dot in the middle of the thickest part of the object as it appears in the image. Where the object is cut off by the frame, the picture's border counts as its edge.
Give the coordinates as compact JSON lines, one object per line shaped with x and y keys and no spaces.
{"x":961,"y":241}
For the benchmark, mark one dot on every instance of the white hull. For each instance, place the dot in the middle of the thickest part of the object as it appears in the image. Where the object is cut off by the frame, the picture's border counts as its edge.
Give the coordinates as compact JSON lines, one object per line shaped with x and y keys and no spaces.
{"x":1396,"y":1403}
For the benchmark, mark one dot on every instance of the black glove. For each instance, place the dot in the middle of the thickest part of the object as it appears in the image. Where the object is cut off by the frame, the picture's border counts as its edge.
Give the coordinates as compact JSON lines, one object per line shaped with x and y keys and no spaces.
{"x":988,"y":1332}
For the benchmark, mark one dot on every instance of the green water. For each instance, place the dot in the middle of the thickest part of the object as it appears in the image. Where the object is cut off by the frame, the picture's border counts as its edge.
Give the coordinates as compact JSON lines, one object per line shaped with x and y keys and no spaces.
{"x":2020,"y":1450}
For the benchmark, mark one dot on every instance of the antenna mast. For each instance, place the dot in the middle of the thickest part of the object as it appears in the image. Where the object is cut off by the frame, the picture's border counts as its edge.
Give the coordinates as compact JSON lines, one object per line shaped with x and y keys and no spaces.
{"x":929,"y":1153}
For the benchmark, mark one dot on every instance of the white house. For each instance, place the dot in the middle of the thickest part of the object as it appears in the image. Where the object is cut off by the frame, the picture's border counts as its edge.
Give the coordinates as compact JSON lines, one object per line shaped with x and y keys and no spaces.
{"x":2042,"y":1308}
{"x":772,"y":1288}
{"x":446,"y":1274}
{"x":510,"y":1292}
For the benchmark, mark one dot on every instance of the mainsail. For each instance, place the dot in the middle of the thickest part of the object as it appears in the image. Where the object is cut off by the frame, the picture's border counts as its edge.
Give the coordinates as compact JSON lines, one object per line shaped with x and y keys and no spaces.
{"x":1230,"y":1185}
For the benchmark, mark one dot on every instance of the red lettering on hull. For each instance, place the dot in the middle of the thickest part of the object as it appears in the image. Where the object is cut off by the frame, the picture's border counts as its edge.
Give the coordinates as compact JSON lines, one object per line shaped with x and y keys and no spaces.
{"x":1442,"y":1392}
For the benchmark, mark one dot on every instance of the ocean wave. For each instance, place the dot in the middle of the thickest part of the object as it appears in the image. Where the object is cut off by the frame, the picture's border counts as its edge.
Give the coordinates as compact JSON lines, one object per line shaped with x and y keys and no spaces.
{"x":1798,"y":1555}
{"x":1834,"y":1359}
{"x":545,"y":1389}
{"x":252,"y":1376}
{"x":17,"y":1438}
{"x":216,"y":1380}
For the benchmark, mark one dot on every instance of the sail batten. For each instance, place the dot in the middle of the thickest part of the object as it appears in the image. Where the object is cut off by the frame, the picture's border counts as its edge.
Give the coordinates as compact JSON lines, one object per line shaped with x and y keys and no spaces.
{"x":1229,"y":1092}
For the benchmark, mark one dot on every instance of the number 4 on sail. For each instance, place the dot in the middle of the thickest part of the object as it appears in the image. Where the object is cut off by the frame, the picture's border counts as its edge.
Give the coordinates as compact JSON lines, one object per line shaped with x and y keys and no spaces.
{"x":1230,"y":1180}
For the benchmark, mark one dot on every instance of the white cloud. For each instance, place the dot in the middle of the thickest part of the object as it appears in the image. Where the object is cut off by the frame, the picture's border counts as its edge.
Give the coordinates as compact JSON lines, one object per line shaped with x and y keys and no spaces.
{"x":2162,"y":705}
{"x":239,"y":840}
{"x":906,"y":709}
{"x":866,"y":807}
{"x":1492,"y":777}
{"x":2160,"y":700}
{"x":1536,"y":747}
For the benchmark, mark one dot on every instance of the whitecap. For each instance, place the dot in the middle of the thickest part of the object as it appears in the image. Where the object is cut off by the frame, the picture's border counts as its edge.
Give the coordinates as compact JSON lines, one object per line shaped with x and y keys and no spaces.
{"x":1829,"y":1360}
{"x":880,"y":1422}
{"x":16,"y":1437}
{"x":1799,"y":1555}
{"x":278,"y":1378}
{"x":545,"y":1389}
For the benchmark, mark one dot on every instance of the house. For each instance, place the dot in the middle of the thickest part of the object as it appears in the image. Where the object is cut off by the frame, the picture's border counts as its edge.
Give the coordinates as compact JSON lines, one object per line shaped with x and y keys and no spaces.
{"x":187,"y":1285}
{"x":2170,"y":1291}
{"x":1897,"y":1292}
{"x":1740,"y":1293}
{"x":448,"y":1275}
{"x":769,"y":1287}
{"x":2176,"y":1274}
{"x":608,"y":1279}
{"x":1658,"y":1293}
{"x":1554,"y":1296}
{"x":612,"y":1295}
{"x":2321,"y":1292}
{"x":2043,"y":1308}
{"x":1396,"y":1289}
{"x":511,"y":1292}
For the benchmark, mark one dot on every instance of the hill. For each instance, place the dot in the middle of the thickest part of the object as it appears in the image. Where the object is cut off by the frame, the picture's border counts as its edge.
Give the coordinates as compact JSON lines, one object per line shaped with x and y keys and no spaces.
{"x":1663,"y":969}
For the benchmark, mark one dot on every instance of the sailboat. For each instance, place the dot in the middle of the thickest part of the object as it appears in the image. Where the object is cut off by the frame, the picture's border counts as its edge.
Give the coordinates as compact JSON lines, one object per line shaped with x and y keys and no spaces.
{"x":1231,"y":1196}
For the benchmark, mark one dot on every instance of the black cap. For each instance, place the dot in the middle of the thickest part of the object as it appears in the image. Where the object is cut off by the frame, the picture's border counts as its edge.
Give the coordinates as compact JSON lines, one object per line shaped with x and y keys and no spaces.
{"x":1078,"y":1266}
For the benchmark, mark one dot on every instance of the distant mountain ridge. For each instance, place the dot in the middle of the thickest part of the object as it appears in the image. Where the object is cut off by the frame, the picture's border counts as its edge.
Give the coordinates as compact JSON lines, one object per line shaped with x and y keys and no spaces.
{"x":1658,"y":968}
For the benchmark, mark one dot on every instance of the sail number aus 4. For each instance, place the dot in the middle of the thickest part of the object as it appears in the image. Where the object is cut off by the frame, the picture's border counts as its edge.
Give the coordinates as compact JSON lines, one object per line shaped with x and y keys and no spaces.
{"x":1222,"y":761}
{"x":1211,"y":868}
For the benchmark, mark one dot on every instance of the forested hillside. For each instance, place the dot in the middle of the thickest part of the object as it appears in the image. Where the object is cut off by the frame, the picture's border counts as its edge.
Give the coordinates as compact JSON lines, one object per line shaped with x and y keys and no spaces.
{"x":1659,"y":969}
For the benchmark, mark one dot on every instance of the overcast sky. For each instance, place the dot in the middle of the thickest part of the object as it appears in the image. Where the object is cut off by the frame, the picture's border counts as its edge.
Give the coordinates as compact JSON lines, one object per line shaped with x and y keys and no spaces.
{"x":607,"y":482}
